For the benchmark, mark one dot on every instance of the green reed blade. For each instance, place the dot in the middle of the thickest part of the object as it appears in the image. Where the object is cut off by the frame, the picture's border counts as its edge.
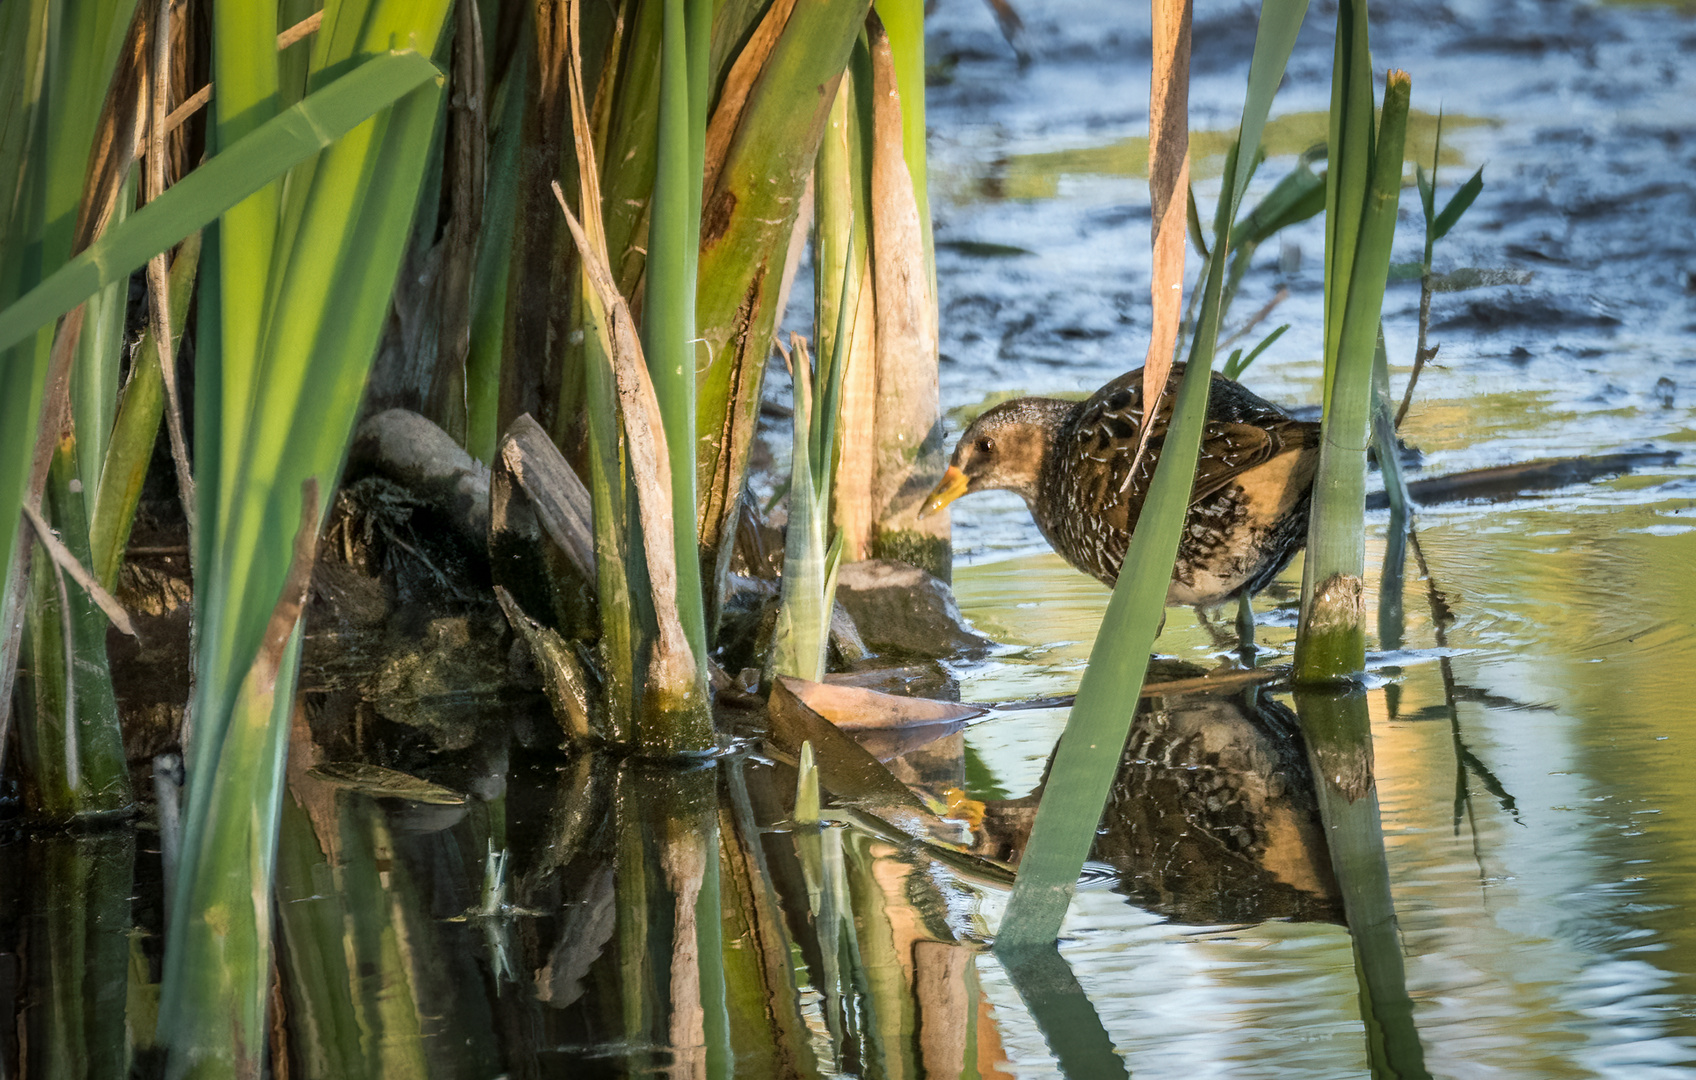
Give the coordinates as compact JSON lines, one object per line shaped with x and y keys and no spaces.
{"x":631,"y":142}
{"x":73,"y":748}
{"x":94,"y":372}
{"x":23,"y":29}
{"x":494,"y":265}
{"x":1235,"y":366}
{"x":223,"y":181}
{"x":839,"y":221}
{"x":607,"y":486}
{"x":1457,"y":205}
{"x":246,"y":75}
{"x":136,"y":429}
{"x":1331,"y":645}
{"x":822,"y":447}
{"x":802,"y":638}
{"x":319,"y":347}
{"x":1349,"y":163}
{"x":1427,"y":189}
{"x":276,"y":406}
{"x":803,"y":624}
{"x":1384,"y":437}
{"x":1088,"y":755}
{"x":55,"y":64}
{"x":1295,"y":198}
{"x":668,"y":307}
{"x":82,"y":52}
{"x":747,"y":223}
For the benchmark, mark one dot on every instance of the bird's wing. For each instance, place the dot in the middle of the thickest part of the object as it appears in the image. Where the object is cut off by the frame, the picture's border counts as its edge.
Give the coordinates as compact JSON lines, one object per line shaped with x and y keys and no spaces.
{"x":1105,"y":438}
{"x":1227,"y":451}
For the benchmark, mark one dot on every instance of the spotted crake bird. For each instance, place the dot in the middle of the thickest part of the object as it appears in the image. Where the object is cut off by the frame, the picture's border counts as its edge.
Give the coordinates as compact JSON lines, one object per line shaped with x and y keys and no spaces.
{"x":1070,"y":462}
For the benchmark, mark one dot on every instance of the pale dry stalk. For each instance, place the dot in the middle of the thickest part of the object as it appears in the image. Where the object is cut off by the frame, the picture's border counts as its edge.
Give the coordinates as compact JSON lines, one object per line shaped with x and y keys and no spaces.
{"x":1168,"y":185}
{"x":908,"y":432}
{"x":158,"y":274}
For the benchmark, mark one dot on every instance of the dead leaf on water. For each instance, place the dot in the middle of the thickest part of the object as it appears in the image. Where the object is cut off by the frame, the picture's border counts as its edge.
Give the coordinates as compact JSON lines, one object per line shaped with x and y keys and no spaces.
{"x":855,"y":708}
{"x":381,"y":783}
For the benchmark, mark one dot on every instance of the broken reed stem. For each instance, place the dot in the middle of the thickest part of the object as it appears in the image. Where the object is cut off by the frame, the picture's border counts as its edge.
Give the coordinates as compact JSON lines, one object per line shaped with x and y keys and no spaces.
{"x":158,"y":278}
{"x":1420,"y":352}
{"x":672,"y":665}
{"x":65,"y":561}
{"x":203,"y":97}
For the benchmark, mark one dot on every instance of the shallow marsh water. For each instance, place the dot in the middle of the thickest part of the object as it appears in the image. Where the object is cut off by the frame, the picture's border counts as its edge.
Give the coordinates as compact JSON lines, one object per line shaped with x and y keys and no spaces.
{"x":1531,"y":728}
{"x":1536,"y":806}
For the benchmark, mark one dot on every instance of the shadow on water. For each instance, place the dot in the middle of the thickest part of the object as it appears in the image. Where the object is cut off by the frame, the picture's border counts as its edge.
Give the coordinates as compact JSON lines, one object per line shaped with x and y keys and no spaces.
{"x":609,"y":917}
{"x":588,"y":915}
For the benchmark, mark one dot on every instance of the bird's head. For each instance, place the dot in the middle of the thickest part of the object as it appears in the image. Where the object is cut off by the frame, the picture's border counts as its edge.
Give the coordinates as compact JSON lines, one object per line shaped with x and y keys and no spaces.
{"x":1003,"y":449}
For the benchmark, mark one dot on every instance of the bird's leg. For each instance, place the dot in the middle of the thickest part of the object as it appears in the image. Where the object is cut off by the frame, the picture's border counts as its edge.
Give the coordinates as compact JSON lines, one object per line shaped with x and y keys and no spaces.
{"x":1245,"y":629}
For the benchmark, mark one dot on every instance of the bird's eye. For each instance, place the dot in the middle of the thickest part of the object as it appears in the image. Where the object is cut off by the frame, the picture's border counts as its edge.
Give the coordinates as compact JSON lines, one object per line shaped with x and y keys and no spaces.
{"x":986,"y":445}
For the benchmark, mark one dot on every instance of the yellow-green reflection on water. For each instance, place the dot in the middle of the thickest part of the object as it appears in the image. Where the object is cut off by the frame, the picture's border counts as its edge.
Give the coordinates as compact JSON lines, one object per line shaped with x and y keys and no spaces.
{"x":1686,"y":6}
{"x":1038,"y":175}
{"x":1546,"y":937}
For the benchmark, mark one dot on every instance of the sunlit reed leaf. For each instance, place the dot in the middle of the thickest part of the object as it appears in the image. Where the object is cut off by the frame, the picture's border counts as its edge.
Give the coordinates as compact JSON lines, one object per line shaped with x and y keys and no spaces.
{"x":223,"y":181}
{"x":296,"y":285}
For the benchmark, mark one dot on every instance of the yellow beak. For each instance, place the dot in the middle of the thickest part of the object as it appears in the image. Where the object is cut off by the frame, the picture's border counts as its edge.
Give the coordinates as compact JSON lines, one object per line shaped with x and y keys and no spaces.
{"x":950,"y":487}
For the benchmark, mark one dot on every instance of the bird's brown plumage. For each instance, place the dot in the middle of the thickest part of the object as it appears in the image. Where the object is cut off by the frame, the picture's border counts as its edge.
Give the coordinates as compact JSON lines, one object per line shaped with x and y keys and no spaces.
{"x":1072,"y":461}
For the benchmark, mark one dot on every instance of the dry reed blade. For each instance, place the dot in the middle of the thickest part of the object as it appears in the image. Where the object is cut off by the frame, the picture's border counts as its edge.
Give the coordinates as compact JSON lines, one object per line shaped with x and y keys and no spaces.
{"x":159,"y":279}
{"x":67,"y":563}
{"x":672,"y":667}
{"x":1168,"y":184}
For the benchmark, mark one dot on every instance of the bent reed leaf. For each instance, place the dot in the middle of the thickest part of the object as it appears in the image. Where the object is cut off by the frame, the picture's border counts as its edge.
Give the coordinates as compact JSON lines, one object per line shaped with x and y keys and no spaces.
{"x":225,"y":180}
